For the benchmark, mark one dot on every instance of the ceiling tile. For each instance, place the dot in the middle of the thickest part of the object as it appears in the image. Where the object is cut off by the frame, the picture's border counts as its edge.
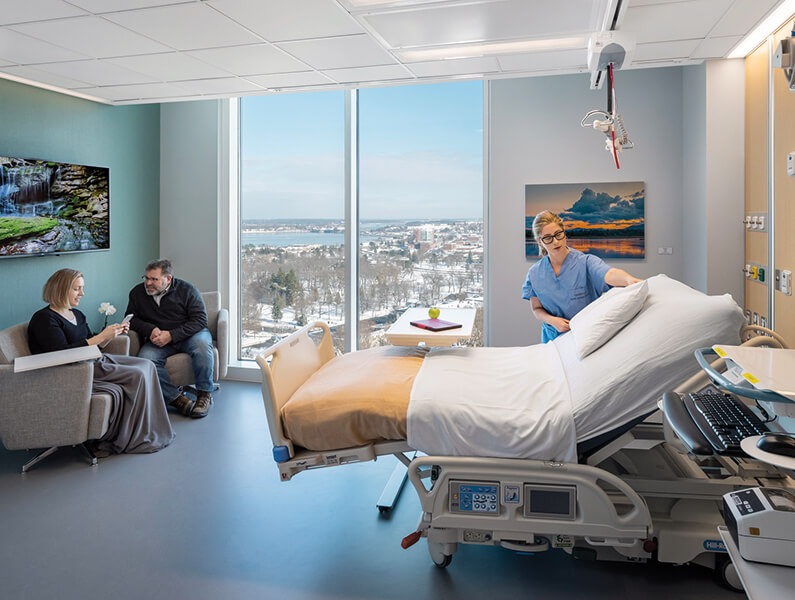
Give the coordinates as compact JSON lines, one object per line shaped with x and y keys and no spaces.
{"x":742,"y":17}
{"x":303,"y":19}
{"x":284,"y":80}
{"x":677,"y":21}
{"x":362,"y":74}
{"x":479,"y":21}
{"x":544,"y":61}
{"x":96,"y":72}
{"x":173,"y":66}
{"x":40,"y":76}
{"x":226,"y":85}
{"x":664,"y":50}
{"x":22,"y":12}
{"x":460,"y":66}
{"x":105,"y":6}
{"x":339,"y":53}
{"x":208,"y":28}
{"x":92,"y":36}
{"x":717,"y":47}
{"x":137,"y":92}
{"x":21,"y":49}
{"x":250,"y":60}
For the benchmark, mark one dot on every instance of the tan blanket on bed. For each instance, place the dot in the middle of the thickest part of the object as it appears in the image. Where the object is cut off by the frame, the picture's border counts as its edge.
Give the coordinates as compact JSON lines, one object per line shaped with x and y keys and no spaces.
{"x":354,"y":399}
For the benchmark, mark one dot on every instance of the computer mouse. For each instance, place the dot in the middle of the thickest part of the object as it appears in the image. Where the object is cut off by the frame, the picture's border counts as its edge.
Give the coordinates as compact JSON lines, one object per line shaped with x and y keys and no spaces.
{"x":777,"y":443}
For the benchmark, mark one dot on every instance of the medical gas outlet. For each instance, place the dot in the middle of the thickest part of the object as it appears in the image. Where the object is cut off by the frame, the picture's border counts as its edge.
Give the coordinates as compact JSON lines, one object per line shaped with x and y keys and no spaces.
{"x":756,"y":222}
{"x":755,"y":272}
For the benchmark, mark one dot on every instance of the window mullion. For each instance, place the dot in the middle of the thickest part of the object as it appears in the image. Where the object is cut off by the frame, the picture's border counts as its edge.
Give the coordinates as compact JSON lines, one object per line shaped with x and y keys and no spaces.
{"x":351,"y":220}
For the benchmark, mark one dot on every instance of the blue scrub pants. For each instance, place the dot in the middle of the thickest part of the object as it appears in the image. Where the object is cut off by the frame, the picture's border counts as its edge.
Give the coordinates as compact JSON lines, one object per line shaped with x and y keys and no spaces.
{"x":200,"y":348}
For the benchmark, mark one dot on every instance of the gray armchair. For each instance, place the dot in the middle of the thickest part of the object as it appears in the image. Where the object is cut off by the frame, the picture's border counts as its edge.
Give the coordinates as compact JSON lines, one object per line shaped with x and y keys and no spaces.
{"x":51,"y":407}
{"x":179,"y":365}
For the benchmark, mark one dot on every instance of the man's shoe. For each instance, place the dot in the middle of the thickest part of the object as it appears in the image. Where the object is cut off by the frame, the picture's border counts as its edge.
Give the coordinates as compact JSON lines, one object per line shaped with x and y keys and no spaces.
{"x":202,"y":406}
{"x":183,"y":404}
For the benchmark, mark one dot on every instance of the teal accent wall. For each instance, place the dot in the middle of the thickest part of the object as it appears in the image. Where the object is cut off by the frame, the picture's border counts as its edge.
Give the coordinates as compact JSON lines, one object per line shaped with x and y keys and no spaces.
{"x":41,"y":124}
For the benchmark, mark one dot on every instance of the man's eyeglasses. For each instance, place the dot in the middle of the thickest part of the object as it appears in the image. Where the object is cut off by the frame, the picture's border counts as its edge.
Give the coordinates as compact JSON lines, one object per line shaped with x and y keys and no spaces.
{"x":558,"y":235}
{"x":151,"y":279}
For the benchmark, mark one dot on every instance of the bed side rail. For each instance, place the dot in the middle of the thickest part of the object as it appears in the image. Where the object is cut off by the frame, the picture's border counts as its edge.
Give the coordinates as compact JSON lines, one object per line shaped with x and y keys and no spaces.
{"x":292,"y":361}
{"x":598,"y":495}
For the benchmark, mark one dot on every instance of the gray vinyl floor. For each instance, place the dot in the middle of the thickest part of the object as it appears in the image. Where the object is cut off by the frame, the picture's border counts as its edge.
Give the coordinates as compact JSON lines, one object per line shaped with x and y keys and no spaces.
{"x":208,"y":518}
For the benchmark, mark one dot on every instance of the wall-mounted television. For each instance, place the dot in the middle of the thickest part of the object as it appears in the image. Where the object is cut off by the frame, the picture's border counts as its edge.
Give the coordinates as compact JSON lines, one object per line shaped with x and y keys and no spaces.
{"x":52,"y":208}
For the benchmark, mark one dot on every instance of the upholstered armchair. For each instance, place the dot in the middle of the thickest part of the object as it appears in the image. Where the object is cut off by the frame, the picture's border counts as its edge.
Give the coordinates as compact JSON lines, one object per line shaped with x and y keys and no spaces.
{"x":179,"y":365}
{"x":51,"y":407}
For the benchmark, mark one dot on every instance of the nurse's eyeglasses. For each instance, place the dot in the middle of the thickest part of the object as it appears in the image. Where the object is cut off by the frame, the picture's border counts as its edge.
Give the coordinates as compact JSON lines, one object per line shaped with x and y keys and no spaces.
{"x":558,"y":235}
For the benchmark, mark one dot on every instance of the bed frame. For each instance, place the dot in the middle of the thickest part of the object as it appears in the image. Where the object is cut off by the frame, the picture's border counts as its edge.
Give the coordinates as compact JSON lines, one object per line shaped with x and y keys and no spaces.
{"x":641,"y":496}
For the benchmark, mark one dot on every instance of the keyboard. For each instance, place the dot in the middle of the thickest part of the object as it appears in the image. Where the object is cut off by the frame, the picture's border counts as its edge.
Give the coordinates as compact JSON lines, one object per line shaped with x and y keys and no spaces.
{"x":723,"y":419}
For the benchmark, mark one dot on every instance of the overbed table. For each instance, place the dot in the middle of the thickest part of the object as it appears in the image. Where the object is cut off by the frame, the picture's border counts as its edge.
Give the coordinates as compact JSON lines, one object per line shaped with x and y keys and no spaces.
{"x":403,"y":333}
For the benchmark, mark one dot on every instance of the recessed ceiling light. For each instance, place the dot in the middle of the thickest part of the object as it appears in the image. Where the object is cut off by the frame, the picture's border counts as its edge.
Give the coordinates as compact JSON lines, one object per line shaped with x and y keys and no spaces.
{"x":777,"y":18}
{"x":473,"y":50}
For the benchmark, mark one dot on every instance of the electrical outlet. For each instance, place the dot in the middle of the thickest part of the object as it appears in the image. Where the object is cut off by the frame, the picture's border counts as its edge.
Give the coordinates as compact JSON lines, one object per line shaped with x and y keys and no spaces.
{"x":763,"y":321}
{"x":756,"y":319}
{"x":748,"y":317}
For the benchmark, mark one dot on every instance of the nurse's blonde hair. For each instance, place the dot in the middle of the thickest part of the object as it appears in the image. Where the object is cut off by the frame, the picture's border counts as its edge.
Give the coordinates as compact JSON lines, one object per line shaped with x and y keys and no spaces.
{"x":542,"y":220}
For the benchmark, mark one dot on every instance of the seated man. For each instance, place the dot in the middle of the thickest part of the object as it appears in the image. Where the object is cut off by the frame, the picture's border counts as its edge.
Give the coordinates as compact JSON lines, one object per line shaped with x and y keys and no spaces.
{"x":169,"y":315}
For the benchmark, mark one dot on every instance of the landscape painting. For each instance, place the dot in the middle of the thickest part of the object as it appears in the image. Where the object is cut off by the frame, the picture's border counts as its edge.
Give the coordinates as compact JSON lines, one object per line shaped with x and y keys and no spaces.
{"x":604,"y":219}
{"x":50,"y":207}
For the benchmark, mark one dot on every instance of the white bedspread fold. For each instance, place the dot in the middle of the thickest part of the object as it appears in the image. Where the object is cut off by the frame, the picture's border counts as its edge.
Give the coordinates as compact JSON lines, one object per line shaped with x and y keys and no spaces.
{"x":499,"y":402}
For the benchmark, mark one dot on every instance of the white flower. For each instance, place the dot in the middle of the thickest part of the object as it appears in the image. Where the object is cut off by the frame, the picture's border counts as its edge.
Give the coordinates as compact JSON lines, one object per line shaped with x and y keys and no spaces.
{"x":107,"y":309}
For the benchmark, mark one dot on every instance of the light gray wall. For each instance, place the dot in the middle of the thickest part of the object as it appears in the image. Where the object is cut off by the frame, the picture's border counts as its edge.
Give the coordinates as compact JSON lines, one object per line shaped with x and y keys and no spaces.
{"x":536,"y":137}
{"x":694,"y":190}
{"x":189,"y":195}
{"x":713,"y":151}
{"x":725,"y":177}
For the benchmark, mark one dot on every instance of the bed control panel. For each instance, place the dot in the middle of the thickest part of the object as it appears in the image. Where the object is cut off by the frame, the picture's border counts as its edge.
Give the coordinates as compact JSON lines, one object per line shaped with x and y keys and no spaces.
{"x":475,"y":497}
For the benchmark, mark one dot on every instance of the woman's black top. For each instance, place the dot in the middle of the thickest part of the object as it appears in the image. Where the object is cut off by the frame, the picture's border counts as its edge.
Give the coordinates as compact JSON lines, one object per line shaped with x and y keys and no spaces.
{"x":49,"y":331}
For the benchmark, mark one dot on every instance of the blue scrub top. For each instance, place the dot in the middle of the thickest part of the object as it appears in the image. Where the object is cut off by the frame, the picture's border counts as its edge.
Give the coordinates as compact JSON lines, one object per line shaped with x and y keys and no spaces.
{"x":581,"y":281}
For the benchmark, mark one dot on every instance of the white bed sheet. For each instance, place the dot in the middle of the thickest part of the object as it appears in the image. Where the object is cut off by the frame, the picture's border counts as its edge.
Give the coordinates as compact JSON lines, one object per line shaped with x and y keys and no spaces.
{"x":496,"y":402}
{"x":653,"y":353}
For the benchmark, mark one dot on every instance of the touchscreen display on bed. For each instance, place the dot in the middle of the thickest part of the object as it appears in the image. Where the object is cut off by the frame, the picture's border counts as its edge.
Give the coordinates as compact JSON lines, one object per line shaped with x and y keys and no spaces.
{"x":550,"y":501}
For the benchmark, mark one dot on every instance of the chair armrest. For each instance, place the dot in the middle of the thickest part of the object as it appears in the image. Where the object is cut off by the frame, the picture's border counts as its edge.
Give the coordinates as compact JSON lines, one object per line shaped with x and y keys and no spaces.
{"x":45,"y":407}
{"x":135,"y":342}
{"x":222,"y":339}
{"x":118,"y":345}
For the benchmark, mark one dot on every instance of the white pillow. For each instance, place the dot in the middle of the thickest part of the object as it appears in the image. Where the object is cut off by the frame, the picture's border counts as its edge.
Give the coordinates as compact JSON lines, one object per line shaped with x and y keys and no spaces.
{"x":602,"y":318}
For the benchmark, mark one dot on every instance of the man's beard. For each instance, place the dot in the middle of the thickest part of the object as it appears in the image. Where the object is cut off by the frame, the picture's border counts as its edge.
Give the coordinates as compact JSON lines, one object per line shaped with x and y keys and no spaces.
{"x":155,"y":291}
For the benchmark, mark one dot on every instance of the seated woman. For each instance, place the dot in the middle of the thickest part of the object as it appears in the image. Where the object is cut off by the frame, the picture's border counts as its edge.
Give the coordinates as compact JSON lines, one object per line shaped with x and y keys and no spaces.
{"x":138,"y":420}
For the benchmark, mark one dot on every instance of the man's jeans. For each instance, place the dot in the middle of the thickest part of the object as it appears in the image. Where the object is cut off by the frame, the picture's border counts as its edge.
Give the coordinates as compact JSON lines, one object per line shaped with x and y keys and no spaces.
{"x":199,"y":347}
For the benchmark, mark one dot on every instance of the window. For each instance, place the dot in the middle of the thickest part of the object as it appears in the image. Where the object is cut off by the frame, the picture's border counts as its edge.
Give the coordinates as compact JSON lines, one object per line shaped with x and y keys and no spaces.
{"x":420,"y":203}
{"x":420,"y":206}
{"x":292,"y":254}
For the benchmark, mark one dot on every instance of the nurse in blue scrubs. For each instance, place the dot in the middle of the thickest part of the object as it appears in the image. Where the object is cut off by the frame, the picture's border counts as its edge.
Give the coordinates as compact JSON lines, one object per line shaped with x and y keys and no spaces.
{"x":565,"y":280}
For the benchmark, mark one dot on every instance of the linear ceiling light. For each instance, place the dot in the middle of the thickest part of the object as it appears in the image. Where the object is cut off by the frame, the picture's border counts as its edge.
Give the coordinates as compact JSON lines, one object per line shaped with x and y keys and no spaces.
{"x":777,"y":18}
{"x":52,"y":88}
{"x":473,"y":50}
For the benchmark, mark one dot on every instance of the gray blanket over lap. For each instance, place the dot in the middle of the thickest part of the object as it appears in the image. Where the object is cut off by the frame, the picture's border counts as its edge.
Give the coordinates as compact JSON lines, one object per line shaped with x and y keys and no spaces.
{"x":138,"y":420}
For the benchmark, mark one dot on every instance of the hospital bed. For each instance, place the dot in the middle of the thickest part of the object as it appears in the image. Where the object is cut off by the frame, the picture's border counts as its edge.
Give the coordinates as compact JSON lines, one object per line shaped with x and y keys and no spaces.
{"x":624,"y":488}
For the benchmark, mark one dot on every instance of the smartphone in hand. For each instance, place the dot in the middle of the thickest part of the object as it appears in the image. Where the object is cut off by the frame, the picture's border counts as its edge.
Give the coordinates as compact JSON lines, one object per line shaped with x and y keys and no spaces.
{"x":127,"y":318}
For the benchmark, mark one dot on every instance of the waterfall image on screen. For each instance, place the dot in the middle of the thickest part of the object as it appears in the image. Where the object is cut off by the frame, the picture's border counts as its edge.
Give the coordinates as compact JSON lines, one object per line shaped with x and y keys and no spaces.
{"x":49,"y":207}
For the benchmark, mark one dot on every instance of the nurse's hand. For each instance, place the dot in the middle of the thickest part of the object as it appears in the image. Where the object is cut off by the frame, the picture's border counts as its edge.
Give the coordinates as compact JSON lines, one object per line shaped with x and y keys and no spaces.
{"x":561,"y":324}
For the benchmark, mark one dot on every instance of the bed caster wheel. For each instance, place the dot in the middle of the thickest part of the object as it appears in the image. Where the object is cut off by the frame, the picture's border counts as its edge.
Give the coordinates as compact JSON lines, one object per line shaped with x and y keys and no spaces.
{"x":439,"y":558}
{"x":383,"y":509}
{"x":726,"y":574}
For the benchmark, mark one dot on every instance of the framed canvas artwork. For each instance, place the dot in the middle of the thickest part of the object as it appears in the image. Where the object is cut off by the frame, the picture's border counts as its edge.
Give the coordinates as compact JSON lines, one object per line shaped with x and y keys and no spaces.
{"x":605,"y":219}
